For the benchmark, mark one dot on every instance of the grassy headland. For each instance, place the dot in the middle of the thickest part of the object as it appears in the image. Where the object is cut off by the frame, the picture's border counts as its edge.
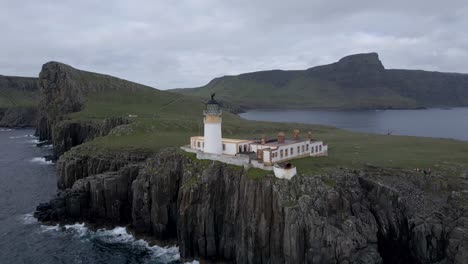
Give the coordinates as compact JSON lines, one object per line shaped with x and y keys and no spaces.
{"x":18,"y":92}
{"x":162,"y":119}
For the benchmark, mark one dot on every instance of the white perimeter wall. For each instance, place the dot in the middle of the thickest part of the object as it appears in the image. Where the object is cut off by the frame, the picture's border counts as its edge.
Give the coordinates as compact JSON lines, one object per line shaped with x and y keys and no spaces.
{"x":230,"y":148}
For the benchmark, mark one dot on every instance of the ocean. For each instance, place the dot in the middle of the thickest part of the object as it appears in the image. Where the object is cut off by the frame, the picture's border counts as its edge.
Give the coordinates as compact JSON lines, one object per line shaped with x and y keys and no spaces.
{"x":27,"y":179}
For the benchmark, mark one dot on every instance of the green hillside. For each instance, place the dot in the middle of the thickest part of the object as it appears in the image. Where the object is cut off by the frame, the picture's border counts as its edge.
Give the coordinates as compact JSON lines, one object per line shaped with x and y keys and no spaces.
{"x":162,"y":119}
{"x":355,"y":82}
{"x":18,"y":91}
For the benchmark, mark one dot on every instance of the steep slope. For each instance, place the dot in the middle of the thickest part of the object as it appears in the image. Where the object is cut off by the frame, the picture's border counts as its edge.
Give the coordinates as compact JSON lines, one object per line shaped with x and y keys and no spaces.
{"x":77,"y":106}
{"x":357,"y":81}
{"x":18,"y":101}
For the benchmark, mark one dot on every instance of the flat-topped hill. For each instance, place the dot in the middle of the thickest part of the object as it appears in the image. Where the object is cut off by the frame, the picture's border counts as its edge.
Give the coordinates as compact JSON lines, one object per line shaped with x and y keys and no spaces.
{"x":357,"y":81}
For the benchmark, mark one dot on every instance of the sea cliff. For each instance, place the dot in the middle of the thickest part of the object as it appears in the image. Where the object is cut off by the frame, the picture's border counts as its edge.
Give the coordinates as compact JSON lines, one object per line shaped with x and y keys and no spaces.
{"x":217,"y":212}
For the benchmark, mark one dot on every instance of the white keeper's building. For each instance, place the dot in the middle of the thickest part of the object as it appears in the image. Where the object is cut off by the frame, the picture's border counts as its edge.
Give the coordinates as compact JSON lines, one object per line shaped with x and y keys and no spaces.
{"x":273,"y":154}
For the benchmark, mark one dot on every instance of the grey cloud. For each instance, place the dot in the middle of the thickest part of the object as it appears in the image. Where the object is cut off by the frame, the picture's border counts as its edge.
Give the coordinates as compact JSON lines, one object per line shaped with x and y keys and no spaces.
{"x":169,"y":44}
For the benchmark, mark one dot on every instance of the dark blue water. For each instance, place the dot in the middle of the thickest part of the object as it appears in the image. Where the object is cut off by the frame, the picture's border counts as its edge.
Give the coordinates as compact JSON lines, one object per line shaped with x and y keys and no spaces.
{"x":26,"y":179}
{"x":442,"y":123}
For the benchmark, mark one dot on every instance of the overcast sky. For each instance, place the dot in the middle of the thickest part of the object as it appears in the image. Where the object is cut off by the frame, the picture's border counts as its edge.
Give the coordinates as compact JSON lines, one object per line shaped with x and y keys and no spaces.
{"x":179,"y":43}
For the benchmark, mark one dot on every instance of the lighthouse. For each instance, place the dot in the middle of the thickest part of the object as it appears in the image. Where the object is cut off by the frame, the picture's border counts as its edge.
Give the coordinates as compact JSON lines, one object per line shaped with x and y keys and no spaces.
{"x":212,"y":120}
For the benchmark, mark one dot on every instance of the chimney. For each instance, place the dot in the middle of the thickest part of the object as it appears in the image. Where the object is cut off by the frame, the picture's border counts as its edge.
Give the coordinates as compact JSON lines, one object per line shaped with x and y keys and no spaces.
{"x":281,"y":137}
{"x":296,"y":134}
{"x":309,"y":135}
{"x":263,"y":139}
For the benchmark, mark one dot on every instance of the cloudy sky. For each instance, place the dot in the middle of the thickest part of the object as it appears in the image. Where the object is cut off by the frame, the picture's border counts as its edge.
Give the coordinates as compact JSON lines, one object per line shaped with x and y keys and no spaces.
{"x":186,"y":43}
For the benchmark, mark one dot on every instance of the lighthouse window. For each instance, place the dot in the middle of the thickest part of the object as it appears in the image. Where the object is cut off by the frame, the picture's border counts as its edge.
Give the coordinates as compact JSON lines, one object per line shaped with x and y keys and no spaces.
{"x":298,"y":149}
{"x":198,"y":143}
{"x":281,"y":153}
{"x":316,"y":148}
{"x":302,"y":148}
{"x":292,"y":151}
{"x":307,"y":147}
{"x":224,"y":146}
{"x":320,"y":147}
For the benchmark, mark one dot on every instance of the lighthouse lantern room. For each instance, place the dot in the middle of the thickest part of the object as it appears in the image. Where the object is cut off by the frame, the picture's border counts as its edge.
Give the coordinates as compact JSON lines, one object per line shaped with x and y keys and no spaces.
{"x":213,"y":137}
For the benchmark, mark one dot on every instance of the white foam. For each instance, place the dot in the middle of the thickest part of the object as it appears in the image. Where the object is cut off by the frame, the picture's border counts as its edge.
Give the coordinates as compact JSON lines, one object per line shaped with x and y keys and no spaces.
{"x":34,"y":141}
{"x":47,"y":228}
{"x":193,"y":262}
{"x":28,"y":219}
{"x":79,"y":229}
{"x":119,"y":235}
{"x":41,"y":160}
{"x":23,"y":136}
{"x":5,"y":129}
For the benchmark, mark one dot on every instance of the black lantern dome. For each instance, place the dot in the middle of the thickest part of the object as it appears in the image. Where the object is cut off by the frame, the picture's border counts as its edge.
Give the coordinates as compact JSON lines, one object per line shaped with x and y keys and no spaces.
{"x":212,"y":107}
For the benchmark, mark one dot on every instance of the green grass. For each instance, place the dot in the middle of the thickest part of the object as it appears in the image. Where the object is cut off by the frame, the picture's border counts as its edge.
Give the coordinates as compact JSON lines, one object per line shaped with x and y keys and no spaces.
{"x":257,"y":174}
{"x":301,"y":91}
{"x":17,"y":98}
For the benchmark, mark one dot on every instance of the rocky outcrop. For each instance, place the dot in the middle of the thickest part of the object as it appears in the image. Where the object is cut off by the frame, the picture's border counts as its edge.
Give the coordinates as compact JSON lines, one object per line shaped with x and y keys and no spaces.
{"x":65,"y":90}
{"x":74,"y":165}
{"x":217,"y":212}
{"x":60,"y":95}
{"x":70,"y":133}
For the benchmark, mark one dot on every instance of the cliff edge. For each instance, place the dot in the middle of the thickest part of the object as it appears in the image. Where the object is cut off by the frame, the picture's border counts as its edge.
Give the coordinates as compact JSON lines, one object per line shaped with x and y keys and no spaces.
{"x":217,"y":212}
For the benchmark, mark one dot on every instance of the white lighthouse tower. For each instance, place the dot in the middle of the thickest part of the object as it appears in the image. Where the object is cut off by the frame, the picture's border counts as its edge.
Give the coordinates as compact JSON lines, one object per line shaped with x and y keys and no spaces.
{"x":212,"y":120}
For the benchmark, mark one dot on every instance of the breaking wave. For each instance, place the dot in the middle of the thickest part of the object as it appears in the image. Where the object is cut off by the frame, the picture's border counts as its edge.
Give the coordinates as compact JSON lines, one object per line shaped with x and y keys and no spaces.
{"x":119,"y":236}
{"x":5,"y":129}
{"x":41,"y":160}
{"x":29,"y":219}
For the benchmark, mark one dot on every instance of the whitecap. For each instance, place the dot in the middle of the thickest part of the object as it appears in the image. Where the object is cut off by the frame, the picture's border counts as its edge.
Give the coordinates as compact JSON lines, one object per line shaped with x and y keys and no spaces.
{"x":41,"y":160}
{"x":5,"y":129}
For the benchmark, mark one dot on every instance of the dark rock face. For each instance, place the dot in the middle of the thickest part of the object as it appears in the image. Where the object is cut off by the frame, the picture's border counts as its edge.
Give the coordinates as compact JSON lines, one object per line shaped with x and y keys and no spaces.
{"x":60,"y":95}
{"x":67,"y":134}
{"x":72,"y":166}
{"x":217,"y":212}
